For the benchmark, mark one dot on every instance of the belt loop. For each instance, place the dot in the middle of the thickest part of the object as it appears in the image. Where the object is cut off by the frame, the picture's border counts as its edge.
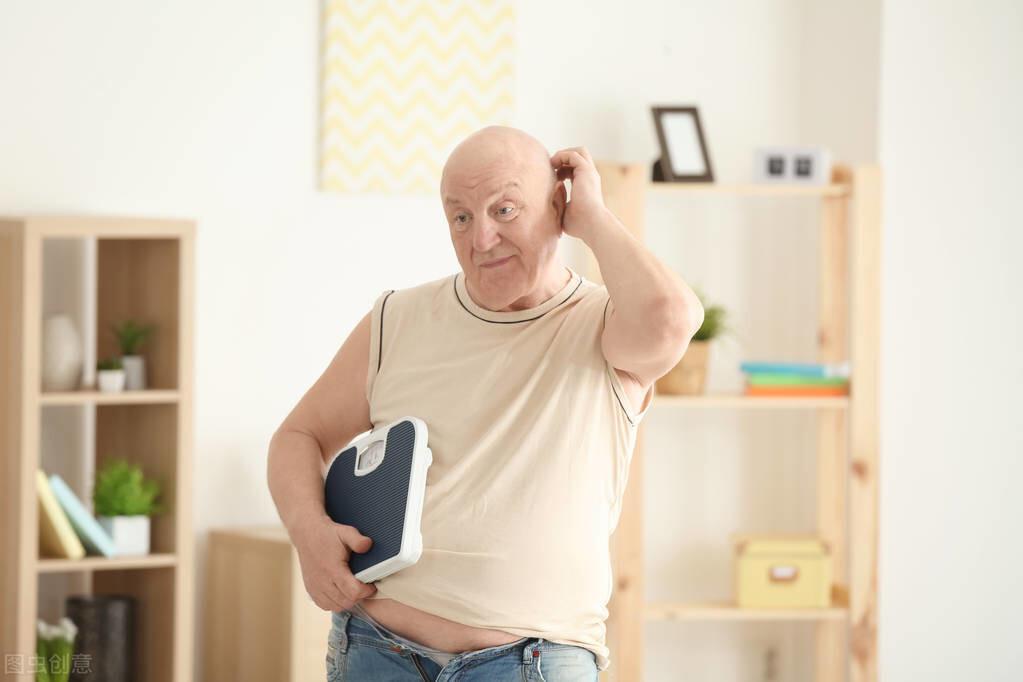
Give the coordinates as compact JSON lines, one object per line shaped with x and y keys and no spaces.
{"x":341,"y":625}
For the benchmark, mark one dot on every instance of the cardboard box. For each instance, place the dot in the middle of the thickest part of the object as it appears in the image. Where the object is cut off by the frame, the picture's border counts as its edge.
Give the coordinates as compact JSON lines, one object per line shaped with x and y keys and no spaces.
{"x":782,"y":572}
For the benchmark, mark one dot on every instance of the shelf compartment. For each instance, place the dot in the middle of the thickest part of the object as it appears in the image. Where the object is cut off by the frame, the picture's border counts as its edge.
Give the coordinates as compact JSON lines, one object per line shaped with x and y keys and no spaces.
{"x":677,"y":611}
{"x":98,"y":398}
{"x":146,"y":435}
{"x":155,"y":616}
{"x":99,"y":563}
{"x":139,"y":279}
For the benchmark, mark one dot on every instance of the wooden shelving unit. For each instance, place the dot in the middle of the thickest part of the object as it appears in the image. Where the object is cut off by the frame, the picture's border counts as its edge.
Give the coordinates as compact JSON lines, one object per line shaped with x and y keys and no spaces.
{"x":151,"y":397}
{"x":95,"y":563}
{"x":724,"y":611}
{"x":130,"y":268}
{"x":744,"y":402}
{"x":835,"y":189}
{"x":847,"y":431}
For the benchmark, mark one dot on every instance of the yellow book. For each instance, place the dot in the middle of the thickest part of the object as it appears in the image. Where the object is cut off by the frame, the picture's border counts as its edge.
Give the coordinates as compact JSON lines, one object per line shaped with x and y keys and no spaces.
{"x":56,"y":536}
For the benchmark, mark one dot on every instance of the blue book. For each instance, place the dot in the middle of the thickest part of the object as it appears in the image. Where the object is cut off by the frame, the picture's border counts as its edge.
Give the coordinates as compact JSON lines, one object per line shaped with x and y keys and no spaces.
{"x":95,"y":539}
{"x":837,"y":369}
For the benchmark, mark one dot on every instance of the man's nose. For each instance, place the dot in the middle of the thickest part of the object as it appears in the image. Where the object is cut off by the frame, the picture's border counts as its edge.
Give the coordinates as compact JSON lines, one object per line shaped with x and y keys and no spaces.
{"x":485,"y":235}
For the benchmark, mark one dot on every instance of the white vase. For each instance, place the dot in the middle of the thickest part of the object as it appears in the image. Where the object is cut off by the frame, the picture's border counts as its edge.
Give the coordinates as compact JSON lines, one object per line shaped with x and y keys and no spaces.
{"x":134,"y":372}
{"x":62,"y":354}
{"x":129,"y":533}
{"x":110,"y":380}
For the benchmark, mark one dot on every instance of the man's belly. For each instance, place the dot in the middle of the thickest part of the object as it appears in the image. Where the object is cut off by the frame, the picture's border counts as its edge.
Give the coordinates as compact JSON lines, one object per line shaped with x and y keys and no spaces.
{"x":433,"y":631}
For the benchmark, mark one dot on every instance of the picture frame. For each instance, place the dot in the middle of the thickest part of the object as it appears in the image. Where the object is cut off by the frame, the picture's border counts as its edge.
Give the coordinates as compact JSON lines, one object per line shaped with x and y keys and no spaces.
{"x":684,"y":155}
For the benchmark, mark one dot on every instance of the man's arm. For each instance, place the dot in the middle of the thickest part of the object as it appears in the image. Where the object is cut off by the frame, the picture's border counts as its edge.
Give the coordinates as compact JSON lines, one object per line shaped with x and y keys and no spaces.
{"x":331,"y":413}
{"x":654,"y":313}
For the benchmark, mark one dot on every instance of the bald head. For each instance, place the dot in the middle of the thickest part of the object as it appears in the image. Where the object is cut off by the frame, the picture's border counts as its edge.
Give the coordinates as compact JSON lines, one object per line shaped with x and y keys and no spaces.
{"x":494,"y":149}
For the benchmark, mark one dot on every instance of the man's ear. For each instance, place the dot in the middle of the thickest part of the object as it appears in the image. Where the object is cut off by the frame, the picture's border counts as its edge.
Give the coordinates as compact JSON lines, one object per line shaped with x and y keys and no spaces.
{"x":560,"y":199}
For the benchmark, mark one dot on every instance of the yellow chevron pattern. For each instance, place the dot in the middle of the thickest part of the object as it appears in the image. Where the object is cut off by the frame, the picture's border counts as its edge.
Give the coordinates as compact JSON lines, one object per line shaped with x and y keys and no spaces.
{"x":403,"y":82}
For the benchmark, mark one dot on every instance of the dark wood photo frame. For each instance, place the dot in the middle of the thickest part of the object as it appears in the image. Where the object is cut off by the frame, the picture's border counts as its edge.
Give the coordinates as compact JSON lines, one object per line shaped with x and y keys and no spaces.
{"x":668,"y":165}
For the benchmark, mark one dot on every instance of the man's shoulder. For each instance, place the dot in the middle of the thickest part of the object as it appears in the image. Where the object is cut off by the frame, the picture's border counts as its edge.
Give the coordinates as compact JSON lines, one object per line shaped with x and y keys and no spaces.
{"x":424,"y":292}
{"x":591,"y":295}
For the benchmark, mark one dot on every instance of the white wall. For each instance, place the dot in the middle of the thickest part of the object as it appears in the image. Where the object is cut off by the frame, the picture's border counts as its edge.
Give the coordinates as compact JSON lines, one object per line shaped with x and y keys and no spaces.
{"x":839,"y":84}
{"x":952,"y":443}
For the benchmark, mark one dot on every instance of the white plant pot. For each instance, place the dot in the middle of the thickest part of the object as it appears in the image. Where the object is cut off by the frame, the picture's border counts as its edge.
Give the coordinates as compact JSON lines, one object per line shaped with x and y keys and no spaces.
{"x":110,"y":380}
{"x":129,"y":533}
{"x":62,"y":354}
{"x":134,"y":372}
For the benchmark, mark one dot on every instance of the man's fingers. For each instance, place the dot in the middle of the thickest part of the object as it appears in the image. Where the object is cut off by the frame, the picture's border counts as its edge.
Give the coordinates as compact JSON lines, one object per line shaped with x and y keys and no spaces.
{"x":342,"y":596}
{"x":328,"y":602}
{"x":583,"y":152}
{"x":572,"y":156}
{"x":353,"y":540}
{"x":568,"y":157}
{"x":353,"y":588}
{"x":336,"y":592}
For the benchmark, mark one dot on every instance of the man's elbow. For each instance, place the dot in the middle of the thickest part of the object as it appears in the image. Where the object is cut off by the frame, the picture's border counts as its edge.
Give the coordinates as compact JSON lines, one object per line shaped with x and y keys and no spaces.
{"x":679,"y":320}
{"x":695,"y":319}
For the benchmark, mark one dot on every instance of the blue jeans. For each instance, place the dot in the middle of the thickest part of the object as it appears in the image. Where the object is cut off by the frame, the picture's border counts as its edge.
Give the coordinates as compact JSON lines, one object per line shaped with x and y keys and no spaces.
{"x":362,"y":651}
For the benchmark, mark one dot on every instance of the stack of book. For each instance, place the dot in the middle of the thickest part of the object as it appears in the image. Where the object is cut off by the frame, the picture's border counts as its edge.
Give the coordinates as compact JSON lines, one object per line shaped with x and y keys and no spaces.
{"x":796,"y":379}
{"x":66,"y":528}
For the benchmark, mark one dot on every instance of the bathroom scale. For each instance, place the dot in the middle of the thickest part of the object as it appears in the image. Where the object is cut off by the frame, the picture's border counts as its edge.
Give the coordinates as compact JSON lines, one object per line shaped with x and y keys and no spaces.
{"x":377,"y":483}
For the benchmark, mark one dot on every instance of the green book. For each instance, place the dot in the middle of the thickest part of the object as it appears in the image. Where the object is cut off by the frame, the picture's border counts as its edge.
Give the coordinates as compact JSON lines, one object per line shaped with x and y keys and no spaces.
{"x":778,"y":379}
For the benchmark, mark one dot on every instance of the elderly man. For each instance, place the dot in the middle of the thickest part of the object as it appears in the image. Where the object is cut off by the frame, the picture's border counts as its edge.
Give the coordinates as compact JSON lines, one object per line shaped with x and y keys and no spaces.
{"x":532,"y":381}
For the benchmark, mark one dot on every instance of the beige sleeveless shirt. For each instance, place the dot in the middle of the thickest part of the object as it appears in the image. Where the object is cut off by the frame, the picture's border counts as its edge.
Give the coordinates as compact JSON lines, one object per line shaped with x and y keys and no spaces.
{"x":532,"y":434}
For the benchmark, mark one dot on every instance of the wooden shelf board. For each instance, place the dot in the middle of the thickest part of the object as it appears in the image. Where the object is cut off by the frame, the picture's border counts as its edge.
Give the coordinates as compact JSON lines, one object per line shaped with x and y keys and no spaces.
{"x":749,"y":189}
{"x":744,"y":401}
{"x":100,"y":398}
{"x":99,"y":563}
{"x":728,"y":611}
{"x":56,"y":225}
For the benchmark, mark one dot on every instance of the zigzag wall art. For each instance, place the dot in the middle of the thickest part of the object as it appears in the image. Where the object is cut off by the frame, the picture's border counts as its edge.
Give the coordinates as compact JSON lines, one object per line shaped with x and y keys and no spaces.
{"x":403,"y":82}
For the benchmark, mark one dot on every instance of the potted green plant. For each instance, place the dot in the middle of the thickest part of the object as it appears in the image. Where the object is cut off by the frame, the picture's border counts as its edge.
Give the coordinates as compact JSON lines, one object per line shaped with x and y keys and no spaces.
{"x":689,"y":376}
{"x":55,"y":645}
{"x":130,"y":335}
{"x":123,"y":500}
{"x":110,"y":375}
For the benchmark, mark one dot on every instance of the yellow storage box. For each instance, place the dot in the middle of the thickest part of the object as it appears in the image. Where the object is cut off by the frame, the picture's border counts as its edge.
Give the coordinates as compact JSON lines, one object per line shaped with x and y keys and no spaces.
{"x":782,"y":571}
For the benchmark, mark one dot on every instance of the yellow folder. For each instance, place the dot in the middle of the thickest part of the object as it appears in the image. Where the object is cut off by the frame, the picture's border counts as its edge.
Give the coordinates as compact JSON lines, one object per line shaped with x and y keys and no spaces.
{"x":56,"y":536}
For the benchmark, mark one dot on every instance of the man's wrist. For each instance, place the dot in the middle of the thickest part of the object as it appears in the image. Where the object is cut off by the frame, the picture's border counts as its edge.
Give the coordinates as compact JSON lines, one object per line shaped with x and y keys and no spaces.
{"x":302,"y":522}
{"x":605,"y":224}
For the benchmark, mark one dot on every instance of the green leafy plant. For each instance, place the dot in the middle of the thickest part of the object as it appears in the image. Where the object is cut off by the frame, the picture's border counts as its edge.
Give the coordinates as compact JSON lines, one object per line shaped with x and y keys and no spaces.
{"x":110,"y":363}
{"x":130,"y":335}
{"x":713,"y":320}
{"x":54,"y":648}
{"x":122,"y":490}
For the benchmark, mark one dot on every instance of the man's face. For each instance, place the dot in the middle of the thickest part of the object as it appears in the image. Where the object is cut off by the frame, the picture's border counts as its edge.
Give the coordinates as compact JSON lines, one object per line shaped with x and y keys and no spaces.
{"x":502,"y":210}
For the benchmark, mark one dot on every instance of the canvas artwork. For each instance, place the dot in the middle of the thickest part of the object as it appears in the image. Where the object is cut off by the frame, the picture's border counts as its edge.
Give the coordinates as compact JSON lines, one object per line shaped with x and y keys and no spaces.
{"x":403,"y":82}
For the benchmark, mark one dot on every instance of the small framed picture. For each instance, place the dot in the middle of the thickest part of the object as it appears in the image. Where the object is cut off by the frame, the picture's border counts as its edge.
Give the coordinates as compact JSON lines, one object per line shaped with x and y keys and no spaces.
{"x":684,"y":156}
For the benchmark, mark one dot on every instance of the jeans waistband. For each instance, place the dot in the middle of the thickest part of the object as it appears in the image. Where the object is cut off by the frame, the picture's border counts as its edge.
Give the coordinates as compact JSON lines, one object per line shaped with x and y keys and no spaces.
{"x":359,"y":612}
{"x":530,"y":646}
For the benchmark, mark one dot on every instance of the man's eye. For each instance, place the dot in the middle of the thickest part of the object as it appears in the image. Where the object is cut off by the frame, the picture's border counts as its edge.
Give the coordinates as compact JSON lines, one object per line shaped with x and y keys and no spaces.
{"x":510,"y":209}
{"x":459,"y":221}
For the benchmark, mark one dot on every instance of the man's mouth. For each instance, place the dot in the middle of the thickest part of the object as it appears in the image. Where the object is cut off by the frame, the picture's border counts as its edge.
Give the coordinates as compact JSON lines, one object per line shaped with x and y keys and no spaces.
{"x":496,"y":263}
